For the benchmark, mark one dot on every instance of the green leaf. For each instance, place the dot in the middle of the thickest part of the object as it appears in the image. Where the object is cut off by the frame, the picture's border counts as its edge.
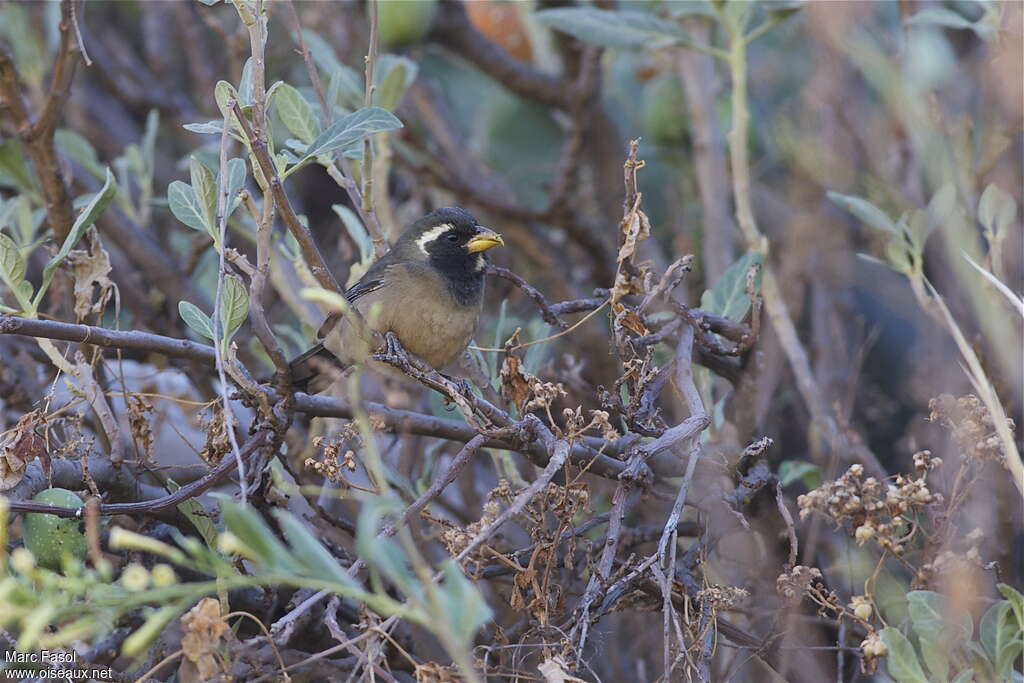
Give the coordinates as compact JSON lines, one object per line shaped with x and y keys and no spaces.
{"x":296,"y":114}
{"x":902,"y":660}
{"x":1001,"y":636}
{"x":1016,"y":600}
{"x":383,"y":554}
{"x":393,"y":77}
{"x":245,"y":84}
{"x":463,"y":608}
{"x":352,"y":128}
{"x":208,"y":128}
{"x":931,"y":613}
{"x":864,"y":210}
{"x":939,"y":16}
{"x":196,"y":514}
{"x":942,"y":205}
{"x":223,"y":92}
{"x":939,"y":628}
{"x":356,"y":230}
{"x":346,"y":83}
{"x":234,"y":307}
{"x":965,"y":676}
{"x":613,"y":28}
{"x":316,"y":560}
{"x":996,"y":210}
{"x":82,"y":222}
{"x":79,"y":149}
{"x":247,"y":525}
{"x":728,"y":298}
{"x":236,"y":181}
{"x":148,"y":145}
{"x":799,"y":470}
{"x":204,"y":185}
{"x":13,"y":169}
{"x":12,"y":263}
{"x":185,"y":206}
{"x":196,"y":319}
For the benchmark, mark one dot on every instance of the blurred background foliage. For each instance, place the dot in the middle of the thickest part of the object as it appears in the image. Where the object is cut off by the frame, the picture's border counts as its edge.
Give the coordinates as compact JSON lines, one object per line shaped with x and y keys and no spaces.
{"x":886,"y":152}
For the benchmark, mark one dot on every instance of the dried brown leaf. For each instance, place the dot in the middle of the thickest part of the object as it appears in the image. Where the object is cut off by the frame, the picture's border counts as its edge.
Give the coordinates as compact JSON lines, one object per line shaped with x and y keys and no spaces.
{"x":91,"y":268}
{"x":515,"y":384}
{"x":18,"y":448}
{"x":205,"y":631}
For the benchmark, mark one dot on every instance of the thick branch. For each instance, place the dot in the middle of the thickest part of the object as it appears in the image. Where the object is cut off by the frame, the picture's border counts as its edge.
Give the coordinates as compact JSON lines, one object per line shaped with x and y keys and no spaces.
{"x":37,"y":135}
{"x":196,"y":488}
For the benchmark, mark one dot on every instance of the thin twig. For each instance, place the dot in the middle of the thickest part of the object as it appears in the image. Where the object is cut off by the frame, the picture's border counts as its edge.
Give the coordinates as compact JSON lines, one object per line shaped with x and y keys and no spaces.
{"x":219,"y":333}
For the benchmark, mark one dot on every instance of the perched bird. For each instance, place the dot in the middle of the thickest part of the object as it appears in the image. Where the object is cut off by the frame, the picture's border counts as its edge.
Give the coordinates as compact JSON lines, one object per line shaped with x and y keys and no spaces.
{"x":427,"y":290}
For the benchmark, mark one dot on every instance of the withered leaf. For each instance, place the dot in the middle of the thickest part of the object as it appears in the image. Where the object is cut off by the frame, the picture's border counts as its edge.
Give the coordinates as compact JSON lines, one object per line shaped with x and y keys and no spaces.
{"x":628,"y":318}
{"x":515,"y":385}
{"x":18,"y":448}
{"x":91,"y":267}
{"x":205,"y":630}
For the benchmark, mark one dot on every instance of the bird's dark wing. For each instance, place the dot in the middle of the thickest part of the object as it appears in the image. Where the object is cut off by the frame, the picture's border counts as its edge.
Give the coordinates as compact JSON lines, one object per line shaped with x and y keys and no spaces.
{"x":308,"y":370}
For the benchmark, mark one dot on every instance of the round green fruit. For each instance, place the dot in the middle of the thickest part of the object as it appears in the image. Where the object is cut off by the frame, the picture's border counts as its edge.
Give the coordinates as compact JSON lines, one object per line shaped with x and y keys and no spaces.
{"x":664,"y":111}
{"x":403,"y":22}
{"x":49,"y":536}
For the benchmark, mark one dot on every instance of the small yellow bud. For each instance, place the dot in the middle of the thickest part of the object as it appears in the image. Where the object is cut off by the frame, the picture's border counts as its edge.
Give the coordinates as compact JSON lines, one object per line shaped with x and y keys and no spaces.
{"x":135,"y":578}
{"x":23,"y":560}
{"x":163,"y":576}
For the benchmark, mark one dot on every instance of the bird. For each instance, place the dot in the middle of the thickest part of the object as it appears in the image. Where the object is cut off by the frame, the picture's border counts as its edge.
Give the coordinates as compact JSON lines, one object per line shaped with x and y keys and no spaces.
{"x":427,"y":290}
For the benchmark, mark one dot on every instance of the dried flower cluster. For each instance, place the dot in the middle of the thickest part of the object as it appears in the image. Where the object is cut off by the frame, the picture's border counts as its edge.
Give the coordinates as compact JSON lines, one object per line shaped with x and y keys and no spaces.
{"x":872,"y":509}
{"x":793,"y":584}
{"x":723,"y":597}
{"x":332,"y":461}
{"x":456,"y":538}
{"x":970,"y":424}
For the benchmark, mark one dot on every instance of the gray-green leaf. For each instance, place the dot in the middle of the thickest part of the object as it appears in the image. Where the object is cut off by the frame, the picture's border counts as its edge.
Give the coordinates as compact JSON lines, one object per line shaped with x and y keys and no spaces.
{"x":866,"y":211}
{"x":728,"y":298}
{"x":198,"y":321}
{"x":1000,"y":636}
{"x":996,"y":209}
{"x":12,"y":263}
{"x":902,"y":660}
{"x":464,"y":609}
{"x":236,"y":181}
{"x":296,"y":114}
{"x":393,"y":77}
{"x":613,"y":28}
{"x":13,"y":169}
{"x":351,"y":128}
{"x":79,"y":149}
{"x":799,"y":470}
{"x":185,"y":206}
{"x":234,"y":307}
{"x":82,"y":222}
{"x":204,"y":184}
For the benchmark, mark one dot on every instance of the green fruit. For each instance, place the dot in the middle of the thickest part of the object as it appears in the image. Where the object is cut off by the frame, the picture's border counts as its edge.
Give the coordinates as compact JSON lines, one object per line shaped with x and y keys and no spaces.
{"x":403,"y":22}
{"x":664,"y":111}
{"x":49,"y":536}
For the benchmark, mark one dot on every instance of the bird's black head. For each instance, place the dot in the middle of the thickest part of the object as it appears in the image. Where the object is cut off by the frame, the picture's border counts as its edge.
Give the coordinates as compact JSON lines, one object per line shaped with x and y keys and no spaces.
{"x":453,"y":242}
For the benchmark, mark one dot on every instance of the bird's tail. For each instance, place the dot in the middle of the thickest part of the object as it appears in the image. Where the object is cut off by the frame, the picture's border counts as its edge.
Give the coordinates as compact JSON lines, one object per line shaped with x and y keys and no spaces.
{"x":311,"y":370}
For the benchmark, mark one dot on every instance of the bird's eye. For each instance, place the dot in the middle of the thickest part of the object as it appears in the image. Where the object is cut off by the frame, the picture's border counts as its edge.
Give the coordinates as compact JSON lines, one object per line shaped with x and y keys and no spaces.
{"x":452,"y":237}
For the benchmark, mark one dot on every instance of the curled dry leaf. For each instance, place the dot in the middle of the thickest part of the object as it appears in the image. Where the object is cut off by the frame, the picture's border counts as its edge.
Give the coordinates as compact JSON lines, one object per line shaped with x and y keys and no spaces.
{"x":91,"y":268}
{"x":515,"y":383}
{"x":635,"y":228}
{"x":205,"y":631}
{"x":18,"y":448}
{"x":628,"y":318}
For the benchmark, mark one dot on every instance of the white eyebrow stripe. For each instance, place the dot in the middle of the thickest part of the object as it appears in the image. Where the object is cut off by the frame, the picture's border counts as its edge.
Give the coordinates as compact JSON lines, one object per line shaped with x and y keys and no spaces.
{"x":431,"y":235}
